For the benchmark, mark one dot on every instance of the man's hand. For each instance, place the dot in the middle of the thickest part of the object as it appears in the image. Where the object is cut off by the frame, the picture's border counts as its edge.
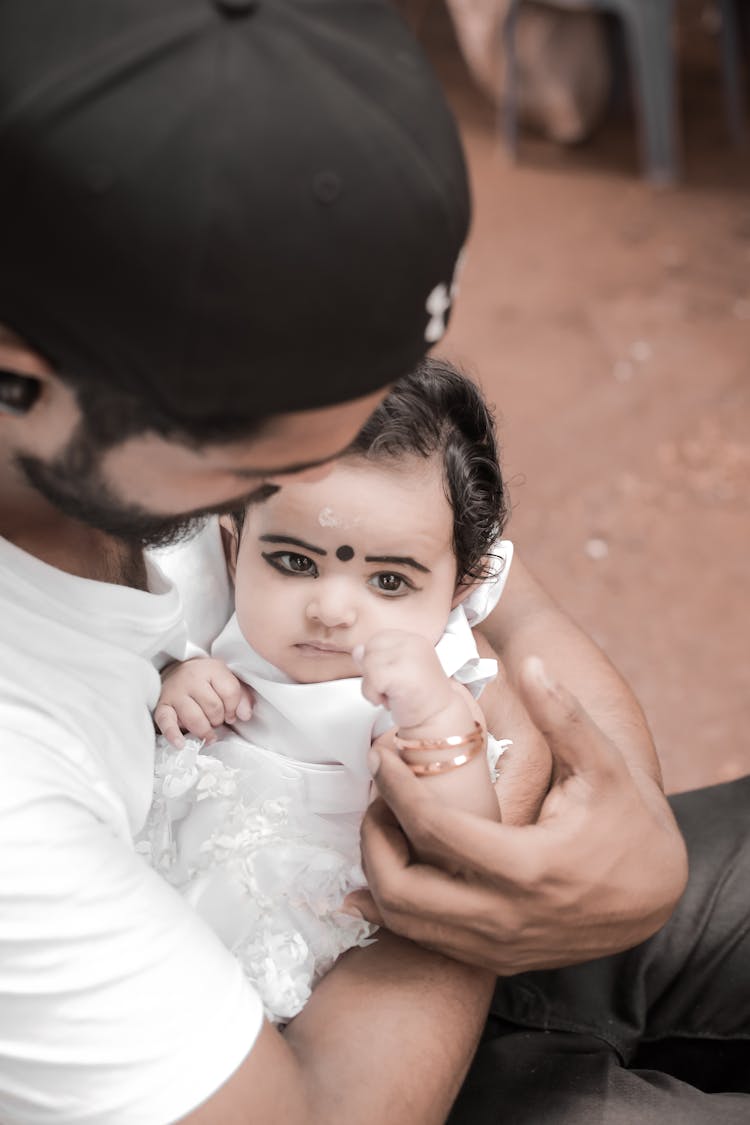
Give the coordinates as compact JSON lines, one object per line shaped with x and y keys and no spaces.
{"x":600,"y":870}
{"x":197,"y":696}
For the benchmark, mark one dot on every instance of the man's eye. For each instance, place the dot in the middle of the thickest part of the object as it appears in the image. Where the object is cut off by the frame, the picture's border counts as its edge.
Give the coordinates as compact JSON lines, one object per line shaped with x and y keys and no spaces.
{"x":289,"y":563}
{"x":387,"y":583}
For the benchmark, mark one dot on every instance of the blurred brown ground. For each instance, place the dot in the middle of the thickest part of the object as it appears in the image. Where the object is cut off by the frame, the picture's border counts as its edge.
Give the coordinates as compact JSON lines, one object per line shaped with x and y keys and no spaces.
{"x":610,"y":324}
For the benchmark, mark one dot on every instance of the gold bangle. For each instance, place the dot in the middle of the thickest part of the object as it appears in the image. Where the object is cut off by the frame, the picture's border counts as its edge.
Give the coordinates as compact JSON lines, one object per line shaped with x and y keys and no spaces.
{"x":469,"y":746}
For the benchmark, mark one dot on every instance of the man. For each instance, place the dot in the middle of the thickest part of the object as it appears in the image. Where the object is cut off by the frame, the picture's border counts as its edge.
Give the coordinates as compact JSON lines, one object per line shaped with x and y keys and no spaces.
{"x":206,"y":211}
{"x":225,"y":228}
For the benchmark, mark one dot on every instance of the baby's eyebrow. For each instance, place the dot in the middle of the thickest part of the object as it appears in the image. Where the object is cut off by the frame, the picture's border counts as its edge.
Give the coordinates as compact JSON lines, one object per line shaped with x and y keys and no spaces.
{"x":292,"y":543}
{"x":398,"y":560}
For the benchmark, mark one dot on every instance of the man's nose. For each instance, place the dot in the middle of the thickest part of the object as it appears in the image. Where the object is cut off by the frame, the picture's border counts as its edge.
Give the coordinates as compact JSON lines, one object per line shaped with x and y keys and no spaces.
{"x":332,"y":607}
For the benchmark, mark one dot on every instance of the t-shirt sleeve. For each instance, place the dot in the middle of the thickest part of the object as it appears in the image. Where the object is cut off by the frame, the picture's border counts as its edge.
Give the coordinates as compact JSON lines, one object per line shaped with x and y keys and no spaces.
{"x":199,"y":571}
{"x":117,"y":1003}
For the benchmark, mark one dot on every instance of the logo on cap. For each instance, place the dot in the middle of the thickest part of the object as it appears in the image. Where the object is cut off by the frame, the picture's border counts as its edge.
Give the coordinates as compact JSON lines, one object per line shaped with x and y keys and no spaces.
{"x":439,"y":302}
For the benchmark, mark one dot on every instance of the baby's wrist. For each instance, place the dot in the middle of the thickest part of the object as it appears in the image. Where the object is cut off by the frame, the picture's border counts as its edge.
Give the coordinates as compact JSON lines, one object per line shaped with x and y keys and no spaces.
{"x":453,"y":718}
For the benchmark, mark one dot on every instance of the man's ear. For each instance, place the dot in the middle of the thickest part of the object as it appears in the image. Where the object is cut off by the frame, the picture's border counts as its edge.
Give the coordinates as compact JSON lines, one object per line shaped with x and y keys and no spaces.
{"x":230,"y":543}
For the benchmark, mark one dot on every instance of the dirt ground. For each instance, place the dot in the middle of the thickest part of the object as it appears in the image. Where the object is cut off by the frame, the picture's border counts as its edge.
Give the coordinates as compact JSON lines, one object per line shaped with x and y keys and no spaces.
{"x":610,"y":323}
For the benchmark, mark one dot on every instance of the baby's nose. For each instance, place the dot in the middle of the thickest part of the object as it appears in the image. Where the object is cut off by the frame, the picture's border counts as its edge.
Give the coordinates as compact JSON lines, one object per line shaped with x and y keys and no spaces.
{"x":332,"y":609}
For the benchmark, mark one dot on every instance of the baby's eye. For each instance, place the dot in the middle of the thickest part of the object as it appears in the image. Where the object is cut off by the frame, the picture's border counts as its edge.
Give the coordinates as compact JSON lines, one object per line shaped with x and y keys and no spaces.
{"x":392,"y":584}
{"x":290,"y":563}
{"x":300,"y":564}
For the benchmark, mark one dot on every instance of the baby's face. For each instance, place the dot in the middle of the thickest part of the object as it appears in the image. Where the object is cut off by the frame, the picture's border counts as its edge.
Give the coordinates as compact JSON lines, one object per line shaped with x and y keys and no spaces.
{"x":322,"y":566}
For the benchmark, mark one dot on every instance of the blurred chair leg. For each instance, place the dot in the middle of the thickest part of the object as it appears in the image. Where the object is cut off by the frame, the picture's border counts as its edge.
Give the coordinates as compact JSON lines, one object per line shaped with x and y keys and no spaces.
{"x":730,"y":50}
{"x":649,"y":36}
{"x":509,"y":96}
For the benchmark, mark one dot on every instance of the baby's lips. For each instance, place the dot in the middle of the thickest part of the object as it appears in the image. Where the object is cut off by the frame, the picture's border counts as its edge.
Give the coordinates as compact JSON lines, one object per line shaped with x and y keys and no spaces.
{"x":358,"y":655}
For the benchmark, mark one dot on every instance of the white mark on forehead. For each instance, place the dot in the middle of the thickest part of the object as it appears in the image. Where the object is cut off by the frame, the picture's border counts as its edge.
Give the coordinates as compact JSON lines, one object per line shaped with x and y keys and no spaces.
{"x":327,"y":517}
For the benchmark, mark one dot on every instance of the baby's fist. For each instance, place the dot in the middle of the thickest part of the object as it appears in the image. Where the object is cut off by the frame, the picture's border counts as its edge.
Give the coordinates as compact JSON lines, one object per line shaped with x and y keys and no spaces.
{"x":401,"y":671}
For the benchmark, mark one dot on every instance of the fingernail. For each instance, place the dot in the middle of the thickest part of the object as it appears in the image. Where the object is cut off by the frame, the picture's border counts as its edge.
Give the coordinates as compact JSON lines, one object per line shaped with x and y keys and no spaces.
{"x":373,"y":761}
{"x":358,"y":655}
{"x":244,"y":710}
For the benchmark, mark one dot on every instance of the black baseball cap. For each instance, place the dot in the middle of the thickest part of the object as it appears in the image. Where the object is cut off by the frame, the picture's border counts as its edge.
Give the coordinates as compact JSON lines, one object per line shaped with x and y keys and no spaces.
{"x":229,"y":209}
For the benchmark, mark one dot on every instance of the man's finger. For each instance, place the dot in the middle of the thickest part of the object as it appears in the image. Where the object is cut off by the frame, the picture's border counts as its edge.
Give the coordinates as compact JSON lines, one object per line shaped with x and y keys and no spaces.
{"x":382,"y":837}
{"x":574,"y":739}
{"x":453,"y":838}
{"x":362,"y":904}
{"x":415,"y":899}
{"x":452,"y":941}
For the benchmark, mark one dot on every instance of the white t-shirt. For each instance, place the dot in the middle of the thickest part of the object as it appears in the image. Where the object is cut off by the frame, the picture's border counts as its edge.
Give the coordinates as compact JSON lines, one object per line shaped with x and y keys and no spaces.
{"x":118,"y":1005}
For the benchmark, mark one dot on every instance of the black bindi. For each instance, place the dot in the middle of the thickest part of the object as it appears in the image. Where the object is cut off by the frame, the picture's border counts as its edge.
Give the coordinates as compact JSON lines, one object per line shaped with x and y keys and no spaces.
{"x":345,"y":553}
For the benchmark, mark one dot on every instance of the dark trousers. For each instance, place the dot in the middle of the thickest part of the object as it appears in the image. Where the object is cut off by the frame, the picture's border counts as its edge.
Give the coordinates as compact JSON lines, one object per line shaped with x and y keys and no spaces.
{"x":660,"y":1033}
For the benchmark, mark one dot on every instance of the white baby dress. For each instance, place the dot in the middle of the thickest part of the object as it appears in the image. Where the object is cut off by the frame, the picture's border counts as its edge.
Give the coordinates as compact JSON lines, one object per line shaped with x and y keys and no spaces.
{"x":260,"y":831}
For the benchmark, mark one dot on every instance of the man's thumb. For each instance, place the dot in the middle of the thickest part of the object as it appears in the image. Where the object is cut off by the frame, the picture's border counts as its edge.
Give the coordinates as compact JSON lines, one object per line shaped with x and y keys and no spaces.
{"x":576,"y":742}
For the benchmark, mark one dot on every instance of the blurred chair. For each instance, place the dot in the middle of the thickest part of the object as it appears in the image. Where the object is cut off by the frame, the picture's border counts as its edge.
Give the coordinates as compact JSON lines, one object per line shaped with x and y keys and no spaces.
{"x":648,"y":27}
{"x":731,"y":34}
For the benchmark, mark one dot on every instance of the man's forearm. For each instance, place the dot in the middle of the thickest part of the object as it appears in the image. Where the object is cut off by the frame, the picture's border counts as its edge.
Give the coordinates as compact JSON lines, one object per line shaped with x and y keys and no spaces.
{"x":527,"y":622}
{"x":389,"y":1034}
{"x":385,"y":1039}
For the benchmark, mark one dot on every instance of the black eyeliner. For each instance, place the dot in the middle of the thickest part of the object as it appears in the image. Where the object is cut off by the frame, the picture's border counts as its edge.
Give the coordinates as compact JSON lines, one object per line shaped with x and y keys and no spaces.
{"x":271,"y":558}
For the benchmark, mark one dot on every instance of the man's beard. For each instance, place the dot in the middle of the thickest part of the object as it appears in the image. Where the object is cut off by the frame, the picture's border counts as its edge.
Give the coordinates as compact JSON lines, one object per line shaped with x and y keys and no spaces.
{"x":80,"y":493}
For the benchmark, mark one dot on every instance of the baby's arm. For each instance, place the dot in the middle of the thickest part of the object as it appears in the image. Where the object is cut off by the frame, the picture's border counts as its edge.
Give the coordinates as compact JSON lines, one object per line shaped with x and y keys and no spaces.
{"x":401,"y":670}
{"x":197,"y":696}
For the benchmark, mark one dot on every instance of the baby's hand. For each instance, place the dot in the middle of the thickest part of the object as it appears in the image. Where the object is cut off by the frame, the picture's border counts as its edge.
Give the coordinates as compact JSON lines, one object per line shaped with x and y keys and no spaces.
{"x":197,"y":696}
{"x":401,"y":670}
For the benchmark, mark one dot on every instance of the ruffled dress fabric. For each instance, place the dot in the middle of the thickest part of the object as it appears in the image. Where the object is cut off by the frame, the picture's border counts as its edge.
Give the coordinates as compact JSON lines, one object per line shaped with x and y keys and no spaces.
{"x":260,"y":831}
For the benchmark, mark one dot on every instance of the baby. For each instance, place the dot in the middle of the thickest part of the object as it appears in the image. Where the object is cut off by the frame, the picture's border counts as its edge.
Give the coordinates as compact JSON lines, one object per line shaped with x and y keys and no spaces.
{"x":354,"y":600}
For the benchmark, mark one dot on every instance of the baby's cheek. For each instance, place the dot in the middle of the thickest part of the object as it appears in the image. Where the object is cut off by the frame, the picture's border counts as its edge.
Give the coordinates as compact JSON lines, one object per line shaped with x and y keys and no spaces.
{"x":426,"y":620}
{"x":256,"y":622}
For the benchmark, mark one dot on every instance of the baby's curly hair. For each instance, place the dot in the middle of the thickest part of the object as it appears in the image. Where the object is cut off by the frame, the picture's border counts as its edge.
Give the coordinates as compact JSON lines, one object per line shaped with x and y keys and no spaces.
{"x":433,"y":410}
{"x":437,"y":409}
